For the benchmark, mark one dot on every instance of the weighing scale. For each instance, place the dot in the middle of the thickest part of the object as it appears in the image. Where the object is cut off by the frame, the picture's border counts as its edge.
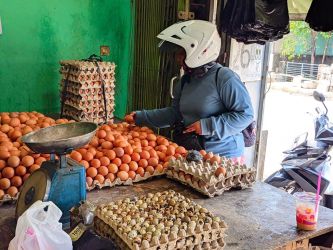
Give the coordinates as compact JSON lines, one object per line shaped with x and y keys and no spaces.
{"x":61,"y":179}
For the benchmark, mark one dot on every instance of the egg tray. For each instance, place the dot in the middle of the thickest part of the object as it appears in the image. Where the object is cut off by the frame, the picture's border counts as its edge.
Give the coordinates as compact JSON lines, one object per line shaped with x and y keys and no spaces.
{"x":87,"y":78}
{"x":87,"y":97}
{"x":7,"y":199}
{"x":128,"y":182}
{"x":201,"y":175}
{"x":87,"y":103}
{"x":88,"y":113}
{"x":77,"y":67}
{"x":189,"y":243}
{"x":109,"y":84}
{"x":90,"y":108}
{"x":165,"y":220}
{"x":87,"y":117}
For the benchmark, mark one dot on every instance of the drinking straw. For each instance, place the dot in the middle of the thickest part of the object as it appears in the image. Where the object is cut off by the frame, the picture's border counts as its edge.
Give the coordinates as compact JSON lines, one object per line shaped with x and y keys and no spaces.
{"x":318,"y":192}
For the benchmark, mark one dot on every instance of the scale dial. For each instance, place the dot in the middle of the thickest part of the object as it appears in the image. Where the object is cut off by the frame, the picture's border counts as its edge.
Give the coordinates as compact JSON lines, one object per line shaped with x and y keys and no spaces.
{"x":35,"y":188}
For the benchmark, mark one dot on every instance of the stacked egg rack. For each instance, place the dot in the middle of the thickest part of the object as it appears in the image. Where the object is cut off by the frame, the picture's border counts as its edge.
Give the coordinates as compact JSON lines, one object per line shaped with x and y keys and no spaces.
{"x":83,"y":98}
{"x":165,"y":220}
{"x":211,"y":179}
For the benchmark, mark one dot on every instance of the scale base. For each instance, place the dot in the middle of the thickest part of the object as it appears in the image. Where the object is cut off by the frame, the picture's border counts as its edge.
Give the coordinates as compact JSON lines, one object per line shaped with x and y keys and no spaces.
{"x":65,"y":187}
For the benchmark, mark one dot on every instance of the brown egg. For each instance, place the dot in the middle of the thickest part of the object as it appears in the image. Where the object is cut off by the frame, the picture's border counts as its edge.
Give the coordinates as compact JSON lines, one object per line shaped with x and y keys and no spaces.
{"x":88,"y":156}
{"x":76,"y":156}
{"x":89,"y":181}
{"x":4,"y":183}
{"x":31,"y":122}
{"x":25,"y":177}
{"x":15,"y":135}
{"x":103,"y":170}
{"x":5,"y":128}
{"x":13,"y":161}
{"x":9,"y":145}
{"x":14,"y":122}
{"x":122,"y":175}
{"x":27,"y":161}
{"x":220,"y":170}
{"x":110,"y":176}
{"x":8,"y":172}
{"x":20,"y":171}
{"x":26,"y":130}
{"x":215,"y":158}
{"x":16,"y":181}
{"x":40,"y":160}
{"x":16,"y":144}
{"x":91,"y":172}
{"x":23,"y":118}
{"x":12,"y":191}
{"x":113,"y":168}
{"x":2,"y":194}
{"x":2,"y":164}
{"x":95,"y":163}
{"x":153,"y":162}
{"x":85,"y":164}
{"x":131,"y":174}
{"x":100,"y":178}
{"x":150,"y":170}
{"x":33,"y":168}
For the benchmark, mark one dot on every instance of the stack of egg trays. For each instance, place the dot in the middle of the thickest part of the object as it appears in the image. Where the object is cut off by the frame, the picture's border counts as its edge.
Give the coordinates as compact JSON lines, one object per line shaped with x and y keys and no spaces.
{"x":201,"y":175}
{"x":84,"y":99}
{"x":134,"y":224}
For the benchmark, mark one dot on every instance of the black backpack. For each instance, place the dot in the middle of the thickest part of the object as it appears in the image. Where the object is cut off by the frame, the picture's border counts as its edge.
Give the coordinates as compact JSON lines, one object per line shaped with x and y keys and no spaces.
{"x":249,"y":133}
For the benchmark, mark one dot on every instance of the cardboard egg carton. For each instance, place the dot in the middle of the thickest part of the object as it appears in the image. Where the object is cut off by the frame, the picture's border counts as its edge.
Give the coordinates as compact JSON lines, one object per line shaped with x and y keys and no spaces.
{"x":7,"y":199}
{"x":128,"y":182}
{"x":76,"y":67}
{"x":90,"y":108}
{"x":165,"y":220}
{"x":88,"y":78}
{"x":80,"y":115}
{"x":201,"y":175}
{"x":82,"y":101}
{"x":87,"y":85}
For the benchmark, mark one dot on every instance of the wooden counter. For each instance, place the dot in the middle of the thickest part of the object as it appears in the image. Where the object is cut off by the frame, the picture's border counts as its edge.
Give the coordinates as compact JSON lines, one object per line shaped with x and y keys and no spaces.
{"x":262,"y":217}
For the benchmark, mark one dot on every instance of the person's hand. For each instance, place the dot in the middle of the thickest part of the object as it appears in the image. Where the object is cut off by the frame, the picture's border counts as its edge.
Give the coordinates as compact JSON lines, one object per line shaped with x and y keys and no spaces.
{"x":130,"y":118}
{"x":194,"y":127}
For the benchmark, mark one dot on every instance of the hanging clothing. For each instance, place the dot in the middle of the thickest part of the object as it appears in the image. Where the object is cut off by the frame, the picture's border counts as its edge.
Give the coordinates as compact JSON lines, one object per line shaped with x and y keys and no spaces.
{"x":255,"y":21}
{"x":320,"y":16}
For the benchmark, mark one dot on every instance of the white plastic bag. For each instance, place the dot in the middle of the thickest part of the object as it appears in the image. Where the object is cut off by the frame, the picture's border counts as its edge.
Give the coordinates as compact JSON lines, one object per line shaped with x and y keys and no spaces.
{"x":38,"y":229}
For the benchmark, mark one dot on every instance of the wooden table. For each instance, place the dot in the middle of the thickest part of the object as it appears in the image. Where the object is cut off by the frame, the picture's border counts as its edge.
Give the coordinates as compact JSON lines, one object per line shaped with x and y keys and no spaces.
{"x":262,"y":217}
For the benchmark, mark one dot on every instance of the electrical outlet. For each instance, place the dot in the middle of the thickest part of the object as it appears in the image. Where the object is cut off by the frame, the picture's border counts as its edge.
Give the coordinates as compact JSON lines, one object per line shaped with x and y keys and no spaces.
{"x":104,"y":50}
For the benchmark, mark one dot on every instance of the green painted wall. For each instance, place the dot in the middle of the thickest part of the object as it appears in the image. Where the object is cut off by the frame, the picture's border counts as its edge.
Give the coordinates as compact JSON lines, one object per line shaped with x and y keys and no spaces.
{"x":39,"y":33}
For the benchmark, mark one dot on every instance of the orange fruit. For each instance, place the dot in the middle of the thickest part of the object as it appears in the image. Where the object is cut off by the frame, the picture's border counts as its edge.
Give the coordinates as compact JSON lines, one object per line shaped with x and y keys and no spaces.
{"x":88,"y":156}
{"x":153,"y":162}
{"x":110,"y":154}
{"x":101,"y":134}
{"x":119,"y":151}
{"x":135,"y":156}
{"x":110,"y":176}
{"x":76,"y":156}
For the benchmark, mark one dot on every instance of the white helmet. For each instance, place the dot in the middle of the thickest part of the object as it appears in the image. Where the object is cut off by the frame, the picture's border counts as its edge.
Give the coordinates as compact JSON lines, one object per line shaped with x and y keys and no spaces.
{"x":200,"y":40}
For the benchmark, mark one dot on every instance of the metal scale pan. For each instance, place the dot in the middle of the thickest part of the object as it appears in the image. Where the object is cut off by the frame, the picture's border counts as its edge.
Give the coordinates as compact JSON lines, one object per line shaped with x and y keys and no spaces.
{"x":61,"y":138}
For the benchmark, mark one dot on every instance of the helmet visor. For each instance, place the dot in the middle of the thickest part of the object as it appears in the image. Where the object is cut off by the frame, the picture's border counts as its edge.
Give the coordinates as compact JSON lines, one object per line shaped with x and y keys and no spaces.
{"x":168,"y":47}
